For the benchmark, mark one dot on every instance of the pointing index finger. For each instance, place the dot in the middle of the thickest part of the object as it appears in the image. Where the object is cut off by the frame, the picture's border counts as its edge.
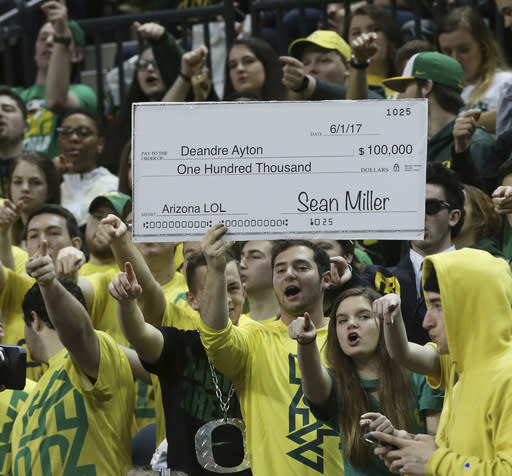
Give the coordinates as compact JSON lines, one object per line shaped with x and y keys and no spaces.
{"x":290,"y":60}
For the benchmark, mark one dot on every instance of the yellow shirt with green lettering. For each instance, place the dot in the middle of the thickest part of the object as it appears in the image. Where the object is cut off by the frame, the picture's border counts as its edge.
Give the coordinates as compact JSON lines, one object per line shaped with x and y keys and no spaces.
{"x":70,"y":425}
{"x":283,"y":436}
{"x":10,"y":403}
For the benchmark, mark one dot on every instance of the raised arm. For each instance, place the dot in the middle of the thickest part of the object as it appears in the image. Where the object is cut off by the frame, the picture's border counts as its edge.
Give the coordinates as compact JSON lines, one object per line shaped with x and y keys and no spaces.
{"x":214,"y":301}
{"x":420,"y":359}
{"x":363,"y":48}
{"x":114,"y":232}
{"x":316,"y":383}
{"x":9,"y":213}
{"x":68,"y":316}
{"x":502,"y":199}
{"x":192,"y":63}
{"x":147,"y":341}
{"x":58,"y":96}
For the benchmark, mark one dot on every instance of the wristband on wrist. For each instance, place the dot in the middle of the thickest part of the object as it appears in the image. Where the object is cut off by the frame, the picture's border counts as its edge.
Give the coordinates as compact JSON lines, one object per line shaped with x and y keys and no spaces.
{"x":64,"y":40}
{"x":307,"y":343}
{"x":362,"y":65}
{"x":303,"y":85}
{"x":185,"y":77}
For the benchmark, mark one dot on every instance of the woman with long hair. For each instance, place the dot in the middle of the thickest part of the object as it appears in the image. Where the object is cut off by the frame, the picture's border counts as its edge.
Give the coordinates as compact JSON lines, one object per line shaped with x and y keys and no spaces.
{"x":155,"y":71}
{"x":253,"y":66}
{"x":33,"y":182}
{"x":125,"y":169}
{"x":464,"y":35}
{"x":361,"y":383}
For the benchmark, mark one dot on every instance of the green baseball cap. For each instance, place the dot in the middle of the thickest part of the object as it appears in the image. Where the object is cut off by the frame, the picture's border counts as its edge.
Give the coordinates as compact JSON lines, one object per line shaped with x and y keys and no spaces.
{"x":116,"y":200}
{"x":429,"y":65}
{"x":330,"y":40}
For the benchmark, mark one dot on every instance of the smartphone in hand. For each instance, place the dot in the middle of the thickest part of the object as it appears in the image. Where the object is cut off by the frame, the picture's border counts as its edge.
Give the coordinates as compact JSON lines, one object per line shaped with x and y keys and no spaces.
{"x":371,"y":440}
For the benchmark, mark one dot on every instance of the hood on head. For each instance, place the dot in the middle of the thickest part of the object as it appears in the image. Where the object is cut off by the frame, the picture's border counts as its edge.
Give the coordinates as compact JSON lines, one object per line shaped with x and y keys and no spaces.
{"x":476,"y":296}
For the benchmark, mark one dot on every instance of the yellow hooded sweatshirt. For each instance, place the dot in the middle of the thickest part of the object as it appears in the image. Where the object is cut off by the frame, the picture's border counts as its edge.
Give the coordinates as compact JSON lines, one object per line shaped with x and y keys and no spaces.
{"x":475,"y":431}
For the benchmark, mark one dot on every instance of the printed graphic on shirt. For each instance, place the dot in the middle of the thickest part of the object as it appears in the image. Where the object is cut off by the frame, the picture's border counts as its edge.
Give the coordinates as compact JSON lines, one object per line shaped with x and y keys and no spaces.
{"x":198,"y":398}
{"x":304,"y":429}
{"x":40,"y":123}
{"x":17,"y":398}
{"x":54,"y":429}
{"x":386,"y":285}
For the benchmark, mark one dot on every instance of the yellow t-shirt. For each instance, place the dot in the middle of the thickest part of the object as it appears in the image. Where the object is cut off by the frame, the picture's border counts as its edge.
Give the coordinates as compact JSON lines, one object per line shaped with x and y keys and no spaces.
{"x":10,"y":403}
{"x":87,"y":269}
{"x":178,"y":257}
{"x":376,"y":80}
{"x":176,"y":290}
{"x":104,"y":307}
{"x":69,"y":425}
{"x":283,"y":436}
{"x":16,"y":285}
{"x":20,"y":258}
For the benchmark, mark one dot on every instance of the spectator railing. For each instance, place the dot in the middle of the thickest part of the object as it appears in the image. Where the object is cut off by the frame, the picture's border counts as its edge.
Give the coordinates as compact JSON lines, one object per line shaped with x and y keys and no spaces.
{"x":14,"y":25}
{"x":98,"y":27}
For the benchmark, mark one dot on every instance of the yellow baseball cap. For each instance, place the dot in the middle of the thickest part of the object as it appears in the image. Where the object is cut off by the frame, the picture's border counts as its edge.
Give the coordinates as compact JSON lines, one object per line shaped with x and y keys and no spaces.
{"x":330,"y":40}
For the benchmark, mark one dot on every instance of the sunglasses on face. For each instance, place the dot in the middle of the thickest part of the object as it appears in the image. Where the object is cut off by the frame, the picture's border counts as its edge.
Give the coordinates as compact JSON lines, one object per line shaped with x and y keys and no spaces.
{"x":434,"y":205}
{"x":81,"y":131}
{"x":144,"y":64}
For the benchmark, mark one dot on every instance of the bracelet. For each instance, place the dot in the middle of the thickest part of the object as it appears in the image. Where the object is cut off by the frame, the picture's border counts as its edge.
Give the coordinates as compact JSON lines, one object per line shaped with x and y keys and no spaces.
{"x":64,"y":40}
{"x":362,"y":65}
{"x":184,"y":77}
{"x":303,"y":85}
{"x":307,"y":343}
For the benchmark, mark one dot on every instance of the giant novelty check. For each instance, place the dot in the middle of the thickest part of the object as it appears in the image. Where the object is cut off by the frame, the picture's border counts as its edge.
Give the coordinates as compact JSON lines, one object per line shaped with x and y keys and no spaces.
{"x":329,"y":169}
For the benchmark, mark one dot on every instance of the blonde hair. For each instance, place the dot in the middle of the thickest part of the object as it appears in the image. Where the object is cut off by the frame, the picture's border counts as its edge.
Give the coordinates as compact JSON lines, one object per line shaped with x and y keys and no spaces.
{"x":469,"y":19}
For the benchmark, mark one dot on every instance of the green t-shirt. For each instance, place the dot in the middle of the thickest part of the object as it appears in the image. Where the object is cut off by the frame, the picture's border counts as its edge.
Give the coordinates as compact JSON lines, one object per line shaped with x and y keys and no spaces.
{"x":42,"y":123}
{"x":426,"y":398}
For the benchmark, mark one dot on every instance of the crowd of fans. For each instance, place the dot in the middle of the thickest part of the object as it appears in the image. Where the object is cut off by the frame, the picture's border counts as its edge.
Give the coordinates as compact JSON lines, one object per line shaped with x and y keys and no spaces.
{"x":212,"y":356}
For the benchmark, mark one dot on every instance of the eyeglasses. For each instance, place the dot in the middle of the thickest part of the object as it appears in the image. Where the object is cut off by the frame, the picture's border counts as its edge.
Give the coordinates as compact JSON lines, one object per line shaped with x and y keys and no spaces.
{"x":144,"y":64}
{"x":81,"y":131}
{"x":434,"y":205}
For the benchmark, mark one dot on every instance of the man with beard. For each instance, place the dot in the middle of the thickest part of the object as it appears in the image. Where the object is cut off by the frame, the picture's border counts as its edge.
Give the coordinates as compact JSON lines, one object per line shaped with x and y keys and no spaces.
{"x":13,"y":125}
{"x":101,"y":257}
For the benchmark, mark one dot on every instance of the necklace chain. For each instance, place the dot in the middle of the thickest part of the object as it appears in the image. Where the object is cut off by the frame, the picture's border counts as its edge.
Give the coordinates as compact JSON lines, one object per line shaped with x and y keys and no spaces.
{"x":224,"y":405}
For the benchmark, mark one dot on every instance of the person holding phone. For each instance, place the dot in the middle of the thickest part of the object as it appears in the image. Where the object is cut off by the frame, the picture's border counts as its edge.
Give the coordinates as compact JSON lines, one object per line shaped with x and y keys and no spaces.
{"x":469,"y":298}
{"x":361,"y":383}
